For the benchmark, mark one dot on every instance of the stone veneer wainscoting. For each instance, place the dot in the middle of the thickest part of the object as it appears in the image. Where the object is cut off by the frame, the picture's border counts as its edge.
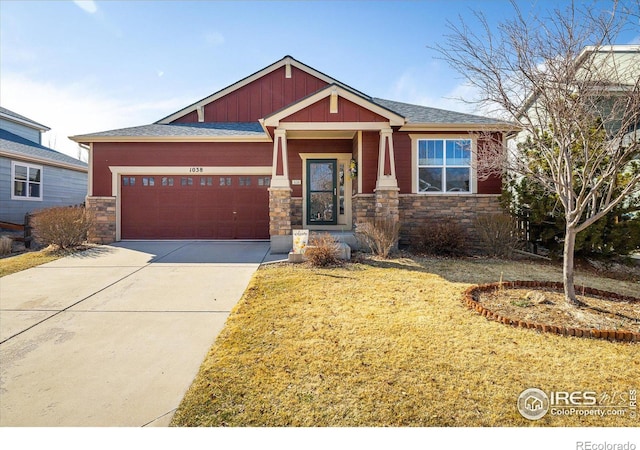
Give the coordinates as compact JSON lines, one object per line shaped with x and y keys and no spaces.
{"x":416,"y":210}
{"x":364,"y":208}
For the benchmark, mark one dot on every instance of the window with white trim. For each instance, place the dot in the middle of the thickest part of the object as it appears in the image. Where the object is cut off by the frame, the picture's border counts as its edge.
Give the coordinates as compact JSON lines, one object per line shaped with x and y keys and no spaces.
{"x":444,"y":165}
{"x":26,"y":181}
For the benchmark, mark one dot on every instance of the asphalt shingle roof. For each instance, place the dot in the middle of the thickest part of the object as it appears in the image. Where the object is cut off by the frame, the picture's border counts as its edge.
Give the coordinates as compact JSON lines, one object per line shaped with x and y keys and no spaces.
{"x":206,"y":129}
{"x":33,"y":123}
{"x":414,"y":114}
{"x":17,"y":145}
{"x":428,"y":115}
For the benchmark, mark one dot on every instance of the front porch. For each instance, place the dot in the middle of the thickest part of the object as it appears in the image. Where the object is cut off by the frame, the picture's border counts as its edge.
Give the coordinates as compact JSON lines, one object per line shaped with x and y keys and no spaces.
{"x":286,"y":215}
{"x":328,"y":149}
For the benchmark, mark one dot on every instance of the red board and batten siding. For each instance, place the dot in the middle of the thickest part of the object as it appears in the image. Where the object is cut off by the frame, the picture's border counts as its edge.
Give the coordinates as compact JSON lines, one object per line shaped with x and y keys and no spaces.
{"x":370,"y":149}
{"x":347,"y":112}
{"x":493,"y":183}
{"x":259,"y":98}
{"x":191,"y":154}
{"x":402,"y":153}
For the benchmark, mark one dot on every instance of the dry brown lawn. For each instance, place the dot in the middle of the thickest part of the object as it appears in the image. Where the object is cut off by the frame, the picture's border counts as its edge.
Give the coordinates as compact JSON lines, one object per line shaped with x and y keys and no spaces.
{"x":24,"y":261}
{"x":389,"y":343}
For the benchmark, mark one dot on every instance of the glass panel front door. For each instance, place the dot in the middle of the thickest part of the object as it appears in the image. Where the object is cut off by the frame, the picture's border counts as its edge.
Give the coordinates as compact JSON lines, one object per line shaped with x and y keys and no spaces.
{"x":321,"y":192}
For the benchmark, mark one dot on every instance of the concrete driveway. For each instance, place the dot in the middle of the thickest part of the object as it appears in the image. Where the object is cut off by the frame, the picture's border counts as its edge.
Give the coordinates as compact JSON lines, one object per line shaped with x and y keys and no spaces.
{"x":114,"y":336}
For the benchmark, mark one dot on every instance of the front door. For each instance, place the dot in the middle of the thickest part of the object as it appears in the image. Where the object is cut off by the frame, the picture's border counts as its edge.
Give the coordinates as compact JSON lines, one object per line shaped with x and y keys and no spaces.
{"x":322,"y":192}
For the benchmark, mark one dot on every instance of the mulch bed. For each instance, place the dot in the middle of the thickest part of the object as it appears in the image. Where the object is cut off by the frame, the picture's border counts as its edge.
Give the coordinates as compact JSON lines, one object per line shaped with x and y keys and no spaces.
{"x":541,"y":306}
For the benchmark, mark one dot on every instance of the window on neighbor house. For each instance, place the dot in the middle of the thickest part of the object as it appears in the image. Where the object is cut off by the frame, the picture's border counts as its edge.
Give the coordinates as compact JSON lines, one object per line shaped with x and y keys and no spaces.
{"x":26,"y":180}
{"x":444,"y":165}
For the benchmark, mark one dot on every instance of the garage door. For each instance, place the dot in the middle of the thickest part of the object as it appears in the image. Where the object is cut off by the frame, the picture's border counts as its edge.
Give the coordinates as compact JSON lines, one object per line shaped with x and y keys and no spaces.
{"x":194,"y":207}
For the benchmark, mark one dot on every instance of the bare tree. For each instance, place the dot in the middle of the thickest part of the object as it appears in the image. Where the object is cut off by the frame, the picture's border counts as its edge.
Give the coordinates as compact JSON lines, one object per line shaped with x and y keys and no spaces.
{"x":575,"y":100}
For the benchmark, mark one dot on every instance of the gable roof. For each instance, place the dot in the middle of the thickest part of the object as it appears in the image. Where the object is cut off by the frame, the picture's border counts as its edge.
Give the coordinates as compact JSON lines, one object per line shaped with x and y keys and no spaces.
{"x":362,"y":100}
{"x":14,"y":146}
{"x":404,"y":115}
{"x":287,"y":61}
{"x":15,"y":117}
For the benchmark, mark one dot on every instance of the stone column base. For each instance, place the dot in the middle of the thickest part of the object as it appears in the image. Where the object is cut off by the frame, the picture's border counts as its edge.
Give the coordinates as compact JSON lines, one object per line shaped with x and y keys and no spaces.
{"x":280,"y":219}
{"x":388,"y":206}
{"x":103,"y":212}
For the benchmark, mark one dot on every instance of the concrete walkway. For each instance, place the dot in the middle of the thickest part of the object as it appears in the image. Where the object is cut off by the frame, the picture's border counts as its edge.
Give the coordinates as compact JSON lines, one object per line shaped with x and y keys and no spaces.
{"x":114,"y":336}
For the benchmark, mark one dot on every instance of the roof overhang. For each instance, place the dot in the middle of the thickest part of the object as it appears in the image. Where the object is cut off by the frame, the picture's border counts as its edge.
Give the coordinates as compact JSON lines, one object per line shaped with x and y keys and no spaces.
{"x":275,"y":119}
{"x":86,"y":139}
{"x":26,"y":123}
{"x":201,"y":132}
{"x":43,"y":161}
{"x":461,"y":127}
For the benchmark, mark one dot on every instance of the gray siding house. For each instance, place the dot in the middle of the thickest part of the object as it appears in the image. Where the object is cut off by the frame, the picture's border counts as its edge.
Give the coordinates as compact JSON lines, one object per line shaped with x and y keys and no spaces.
{"x":32,"y":176}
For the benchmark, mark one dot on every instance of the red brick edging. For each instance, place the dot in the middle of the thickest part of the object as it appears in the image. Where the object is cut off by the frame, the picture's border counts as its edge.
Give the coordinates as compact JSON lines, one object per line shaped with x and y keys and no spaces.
{"x":470,"y":296}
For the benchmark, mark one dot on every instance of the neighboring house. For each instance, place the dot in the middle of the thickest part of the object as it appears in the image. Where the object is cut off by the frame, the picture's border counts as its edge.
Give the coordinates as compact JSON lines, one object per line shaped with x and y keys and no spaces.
{"x":33,"y":176}
{"x":276,"y":152}
{"x":602,"y":74}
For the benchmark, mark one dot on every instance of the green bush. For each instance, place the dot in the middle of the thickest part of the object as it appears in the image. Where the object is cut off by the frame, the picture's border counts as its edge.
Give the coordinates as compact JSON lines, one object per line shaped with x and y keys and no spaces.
{"x":63,"y":227}
{"x":617,"y":233}
{"x":443,"y":237}
{"x":610,"y":236}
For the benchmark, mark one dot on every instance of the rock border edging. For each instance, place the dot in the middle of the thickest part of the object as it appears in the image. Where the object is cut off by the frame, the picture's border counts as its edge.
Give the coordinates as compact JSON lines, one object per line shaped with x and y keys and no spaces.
{"x":611,"y":335}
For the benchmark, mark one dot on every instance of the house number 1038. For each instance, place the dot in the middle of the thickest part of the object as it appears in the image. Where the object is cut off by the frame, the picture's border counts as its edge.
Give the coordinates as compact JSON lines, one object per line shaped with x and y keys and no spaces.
{"x":196,"y":170}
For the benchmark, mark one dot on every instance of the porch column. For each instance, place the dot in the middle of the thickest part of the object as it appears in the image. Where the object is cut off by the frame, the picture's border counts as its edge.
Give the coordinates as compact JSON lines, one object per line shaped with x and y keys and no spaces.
{"x":386,"y":161}
{"x":386,"y":193}
{"x":280,"y":197}
{"x":280,"y":168}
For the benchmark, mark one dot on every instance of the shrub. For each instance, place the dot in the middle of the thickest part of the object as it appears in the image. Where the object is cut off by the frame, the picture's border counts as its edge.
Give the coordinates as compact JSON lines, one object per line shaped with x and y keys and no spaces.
{"x":499,"y":234}
{"x":322,"y":251}
{"x":442,"y":237}
{"x":6,"y":244}
{"x":64,"y":227}
{"x":617,"y":233}
{"x":379,"y":236}
{"x":610,"y":236}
